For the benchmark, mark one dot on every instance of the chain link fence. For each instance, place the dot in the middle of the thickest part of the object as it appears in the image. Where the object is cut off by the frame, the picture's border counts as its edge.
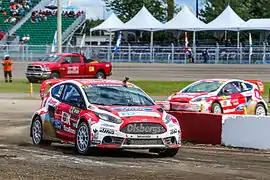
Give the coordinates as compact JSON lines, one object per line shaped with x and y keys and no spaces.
{"x":142,"y":54}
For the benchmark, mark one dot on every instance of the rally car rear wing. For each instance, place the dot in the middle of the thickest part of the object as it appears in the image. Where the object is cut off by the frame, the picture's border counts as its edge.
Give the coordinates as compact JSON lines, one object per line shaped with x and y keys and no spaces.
{"x":259,"y":84}
{"x":46,"y":83}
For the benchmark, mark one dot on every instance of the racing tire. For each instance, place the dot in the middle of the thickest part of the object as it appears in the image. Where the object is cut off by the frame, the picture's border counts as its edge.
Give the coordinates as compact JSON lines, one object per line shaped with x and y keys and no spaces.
{"x":55,"y":75}
{"x":37,"y":133}
{"x":168,"y":152}
{"x":82,"y":141}
{"x":100,"y":75}
{"x":216,"y":108}
{"x":260,"y":110}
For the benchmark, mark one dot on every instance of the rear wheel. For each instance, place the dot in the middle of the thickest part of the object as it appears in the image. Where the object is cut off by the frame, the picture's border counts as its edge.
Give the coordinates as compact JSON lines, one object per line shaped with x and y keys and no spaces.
{"x":82,"y":141}
{"x":100,"y":75}
{"x":37,"y":133}
{"x":168,"y":152}
{"x":260,"y":110}
{"x":216,"y":108}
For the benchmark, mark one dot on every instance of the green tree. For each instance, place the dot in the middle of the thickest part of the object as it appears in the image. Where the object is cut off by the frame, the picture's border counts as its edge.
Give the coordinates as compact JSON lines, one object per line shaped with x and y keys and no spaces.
{"x":126,"y":9}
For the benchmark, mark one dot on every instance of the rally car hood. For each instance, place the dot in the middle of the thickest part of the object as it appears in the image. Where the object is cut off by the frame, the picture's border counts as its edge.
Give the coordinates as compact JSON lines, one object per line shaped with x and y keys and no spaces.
{"x":136,"y":113}
{"x":186,"y":97}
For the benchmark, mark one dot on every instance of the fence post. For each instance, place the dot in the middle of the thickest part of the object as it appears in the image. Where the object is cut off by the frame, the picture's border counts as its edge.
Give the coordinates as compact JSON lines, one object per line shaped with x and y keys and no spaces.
{"x":129,"y":53}
{"x":172,"y":56}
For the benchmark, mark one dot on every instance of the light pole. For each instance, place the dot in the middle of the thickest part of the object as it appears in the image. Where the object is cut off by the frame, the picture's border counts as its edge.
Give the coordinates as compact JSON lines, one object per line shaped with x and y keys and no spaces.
{"x":59,"y":27}
{"x":197,"y":8}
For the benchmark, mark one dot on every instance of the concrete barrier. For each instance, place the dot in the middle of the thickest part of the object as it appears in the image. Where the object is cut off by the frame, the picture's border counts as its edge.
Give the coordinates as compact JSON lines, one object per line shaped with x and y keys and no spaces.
{"x":246,"y":131}
{"x":200,"y":128}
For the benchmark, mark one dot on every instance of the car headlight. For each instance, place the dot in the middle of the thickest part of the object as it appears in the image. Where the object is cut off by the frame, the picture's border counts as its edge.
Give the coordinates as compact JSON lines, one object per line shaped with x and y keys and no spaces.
{"x":108,"y":118}
{"x":167,"y":119}
{"x":45,"y":69}
{"x":198,"y":99}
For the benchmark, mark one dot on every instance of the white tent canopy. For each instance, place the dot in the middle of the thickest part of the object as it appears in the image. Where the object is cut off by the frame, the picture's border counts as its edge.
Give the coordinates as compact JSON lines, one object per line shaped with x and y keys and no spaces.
{"x":185,"y":20}
{"x":113,"y":23}
{"x":144,"y":21}
{"x":227,"y":20}
{"x":256,"y":24}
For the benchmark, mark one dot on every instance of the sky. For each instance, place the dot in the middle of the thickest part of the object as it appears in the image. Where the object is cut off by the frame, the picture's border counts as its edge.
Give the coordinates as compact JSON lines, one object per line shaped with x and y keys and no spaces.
{"x":95,"y":8}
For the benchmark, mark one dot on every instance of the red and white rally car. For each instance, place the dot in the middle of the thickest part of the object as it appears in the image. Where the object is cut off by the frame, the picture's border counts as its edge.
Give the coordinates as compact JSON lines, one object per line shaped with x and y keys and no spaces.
{"x":105,"y":114}
{"x":227,"y":96}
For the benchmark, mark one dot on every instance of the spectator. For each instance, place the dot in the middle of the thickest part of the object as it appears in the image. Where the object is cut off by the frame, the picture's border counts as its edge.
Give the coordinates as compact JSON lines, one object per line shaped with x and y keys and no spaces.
{"x":205,"y":55}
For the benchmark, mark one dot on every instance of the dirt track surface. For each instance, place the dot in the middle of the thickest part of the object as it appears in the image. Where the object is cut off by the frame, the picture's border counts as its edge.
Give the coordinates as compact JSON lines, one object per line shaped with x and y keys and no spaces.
{"x":167,"y":72}
{"x":21,"y":160}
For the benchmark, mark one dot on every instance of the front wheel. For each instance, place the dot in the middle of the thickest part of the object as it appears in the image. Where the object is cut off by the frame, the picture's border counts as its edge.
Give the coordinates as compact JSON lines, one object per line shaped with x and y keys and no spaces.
{"x":37,"y":133}
{"x":82,"y":141}
{"x":260,"y":110}
{"x":168,"y":152}
{"x":216,"y":108}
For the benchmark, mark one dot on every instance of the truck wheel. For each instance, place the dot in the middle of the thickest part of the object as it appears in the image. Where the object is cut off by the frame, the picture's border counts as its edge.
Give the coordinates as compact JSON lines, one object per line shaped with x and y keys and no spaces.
{"x":31,"y":80}
{"x":55,"y":75}
{"x":100,"y":75}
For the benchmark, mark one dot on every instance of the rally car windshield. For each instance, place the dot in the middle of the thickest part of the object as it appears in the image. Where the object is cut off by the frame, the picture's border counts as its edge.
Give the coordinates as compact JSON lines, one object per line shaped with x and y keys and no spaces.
{"x":204,"y":86}
{"x":111,"y":95}
{"x":50,"y":59}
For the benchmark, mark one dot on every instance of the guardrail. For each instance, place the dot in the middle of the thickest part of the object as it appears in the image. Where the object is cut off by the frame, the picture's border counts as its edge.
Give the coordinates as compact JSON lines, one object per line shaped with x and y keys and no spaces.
{"x":142,"y":54}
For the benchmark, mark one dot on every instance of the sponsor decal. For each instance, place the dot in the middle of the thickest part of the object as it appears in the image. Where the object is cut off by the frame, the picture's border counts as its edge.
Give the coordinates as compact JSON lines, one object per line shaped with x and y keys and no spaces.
{"x":107,"y":125}
{"x":68,"y":129}
{"x":74,"y":110}
{"x":106,"y":131}
{"x":66,"y":118}
{"x":95,"y":142}
{"x":241,"y":107}
{"x":173,"y":131}
{"x":234,"y":101}
{"x":91,"y":69}
{"x":73,"y":70}
{"x":57,"y":125}
{"x":138,"y":113}
{"x":142,"y":129}
{"x":132,"y":109}
{"x":142,"y":136}
{"x":52,"y":101}
{"x":229,"y":111}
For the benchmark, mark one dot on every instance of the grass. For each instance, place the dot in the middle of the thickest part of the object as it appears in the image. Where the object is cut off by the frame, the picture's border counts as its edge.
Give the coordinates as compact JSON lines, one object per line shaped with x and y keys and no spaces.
{"x":153,"y":88}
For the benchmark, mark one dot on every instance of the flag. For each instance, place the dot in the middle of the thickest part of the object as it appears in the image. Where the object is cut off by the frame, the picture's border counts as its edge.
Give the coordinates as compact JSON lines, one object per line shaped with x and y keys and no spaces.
{"x":186,"y":42}
{"x":54,"y":42}
{"x":118,"y":42}
{"x":250,"y":44}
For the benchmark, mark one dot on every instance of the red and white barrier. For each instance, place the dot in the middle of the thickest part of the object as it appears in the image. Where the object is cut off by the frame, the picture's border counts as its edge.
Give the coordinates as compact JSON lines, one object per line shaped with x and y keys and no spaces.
{"x":245,"y":131}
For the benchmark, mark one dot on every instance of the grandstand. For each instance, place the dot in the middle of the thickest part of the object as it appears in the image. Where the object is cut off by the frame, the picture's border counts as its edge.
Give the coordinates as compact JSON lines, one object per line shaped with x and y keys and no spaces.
{"x":43,"y":32}
{"x":5,"y":14}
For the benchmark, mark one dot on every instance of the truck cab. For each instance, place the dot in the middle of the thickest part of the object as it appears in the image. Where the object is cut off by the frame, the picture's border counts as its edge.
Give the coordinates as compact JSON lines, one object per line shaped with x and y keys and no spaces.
{"x":67,"y":65}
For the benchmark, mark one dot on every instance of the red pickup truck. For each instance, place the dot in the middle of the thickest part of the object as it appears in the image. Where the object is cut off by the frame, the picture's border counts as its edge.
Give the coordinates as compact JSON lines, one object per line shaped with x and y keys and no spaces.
{"x":67,"y":65}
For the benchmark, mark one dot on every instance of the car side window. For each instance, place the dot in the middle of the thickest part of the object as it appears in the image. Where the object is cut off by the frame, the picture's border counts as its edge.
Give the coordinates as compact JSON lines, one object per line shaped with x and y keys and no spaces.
{"x":67,"y":59}
{"x":72,"y":96}
{"x":246,"y":87}
{"x":76,"y":59}
{"x":231,"y":88}
{"x":57,"y":91}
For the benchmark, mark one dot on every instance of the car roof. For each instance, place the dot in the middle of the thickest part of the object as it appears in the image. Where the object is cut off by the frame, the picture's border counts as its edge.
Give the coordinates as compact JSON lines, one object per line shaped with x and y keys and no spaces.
{"x":222,"y":80}
{"x":85,"y":82}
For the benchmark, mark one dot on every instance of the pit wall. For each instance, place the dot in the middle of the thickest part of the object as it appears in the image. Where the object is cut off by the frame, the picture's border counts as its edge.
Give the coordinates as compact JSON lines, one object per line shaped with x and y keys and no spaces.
{"x":244,"y":131}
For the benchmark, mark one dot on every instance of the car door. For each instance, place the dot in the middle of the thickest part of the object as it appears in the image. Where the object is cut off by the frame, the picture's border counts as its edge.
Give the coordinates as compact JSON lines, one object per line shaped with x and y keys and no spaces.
{"x":72,"y":67}
{"x":69,"y":111}
{"x":232,"y":97}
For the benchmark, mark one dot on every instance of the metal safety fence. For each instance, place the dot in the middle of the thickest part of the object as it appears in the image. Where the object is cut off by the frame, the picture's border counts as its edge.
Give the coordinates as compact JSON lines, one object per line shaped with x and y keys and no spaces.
{"x":142,"y":54}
